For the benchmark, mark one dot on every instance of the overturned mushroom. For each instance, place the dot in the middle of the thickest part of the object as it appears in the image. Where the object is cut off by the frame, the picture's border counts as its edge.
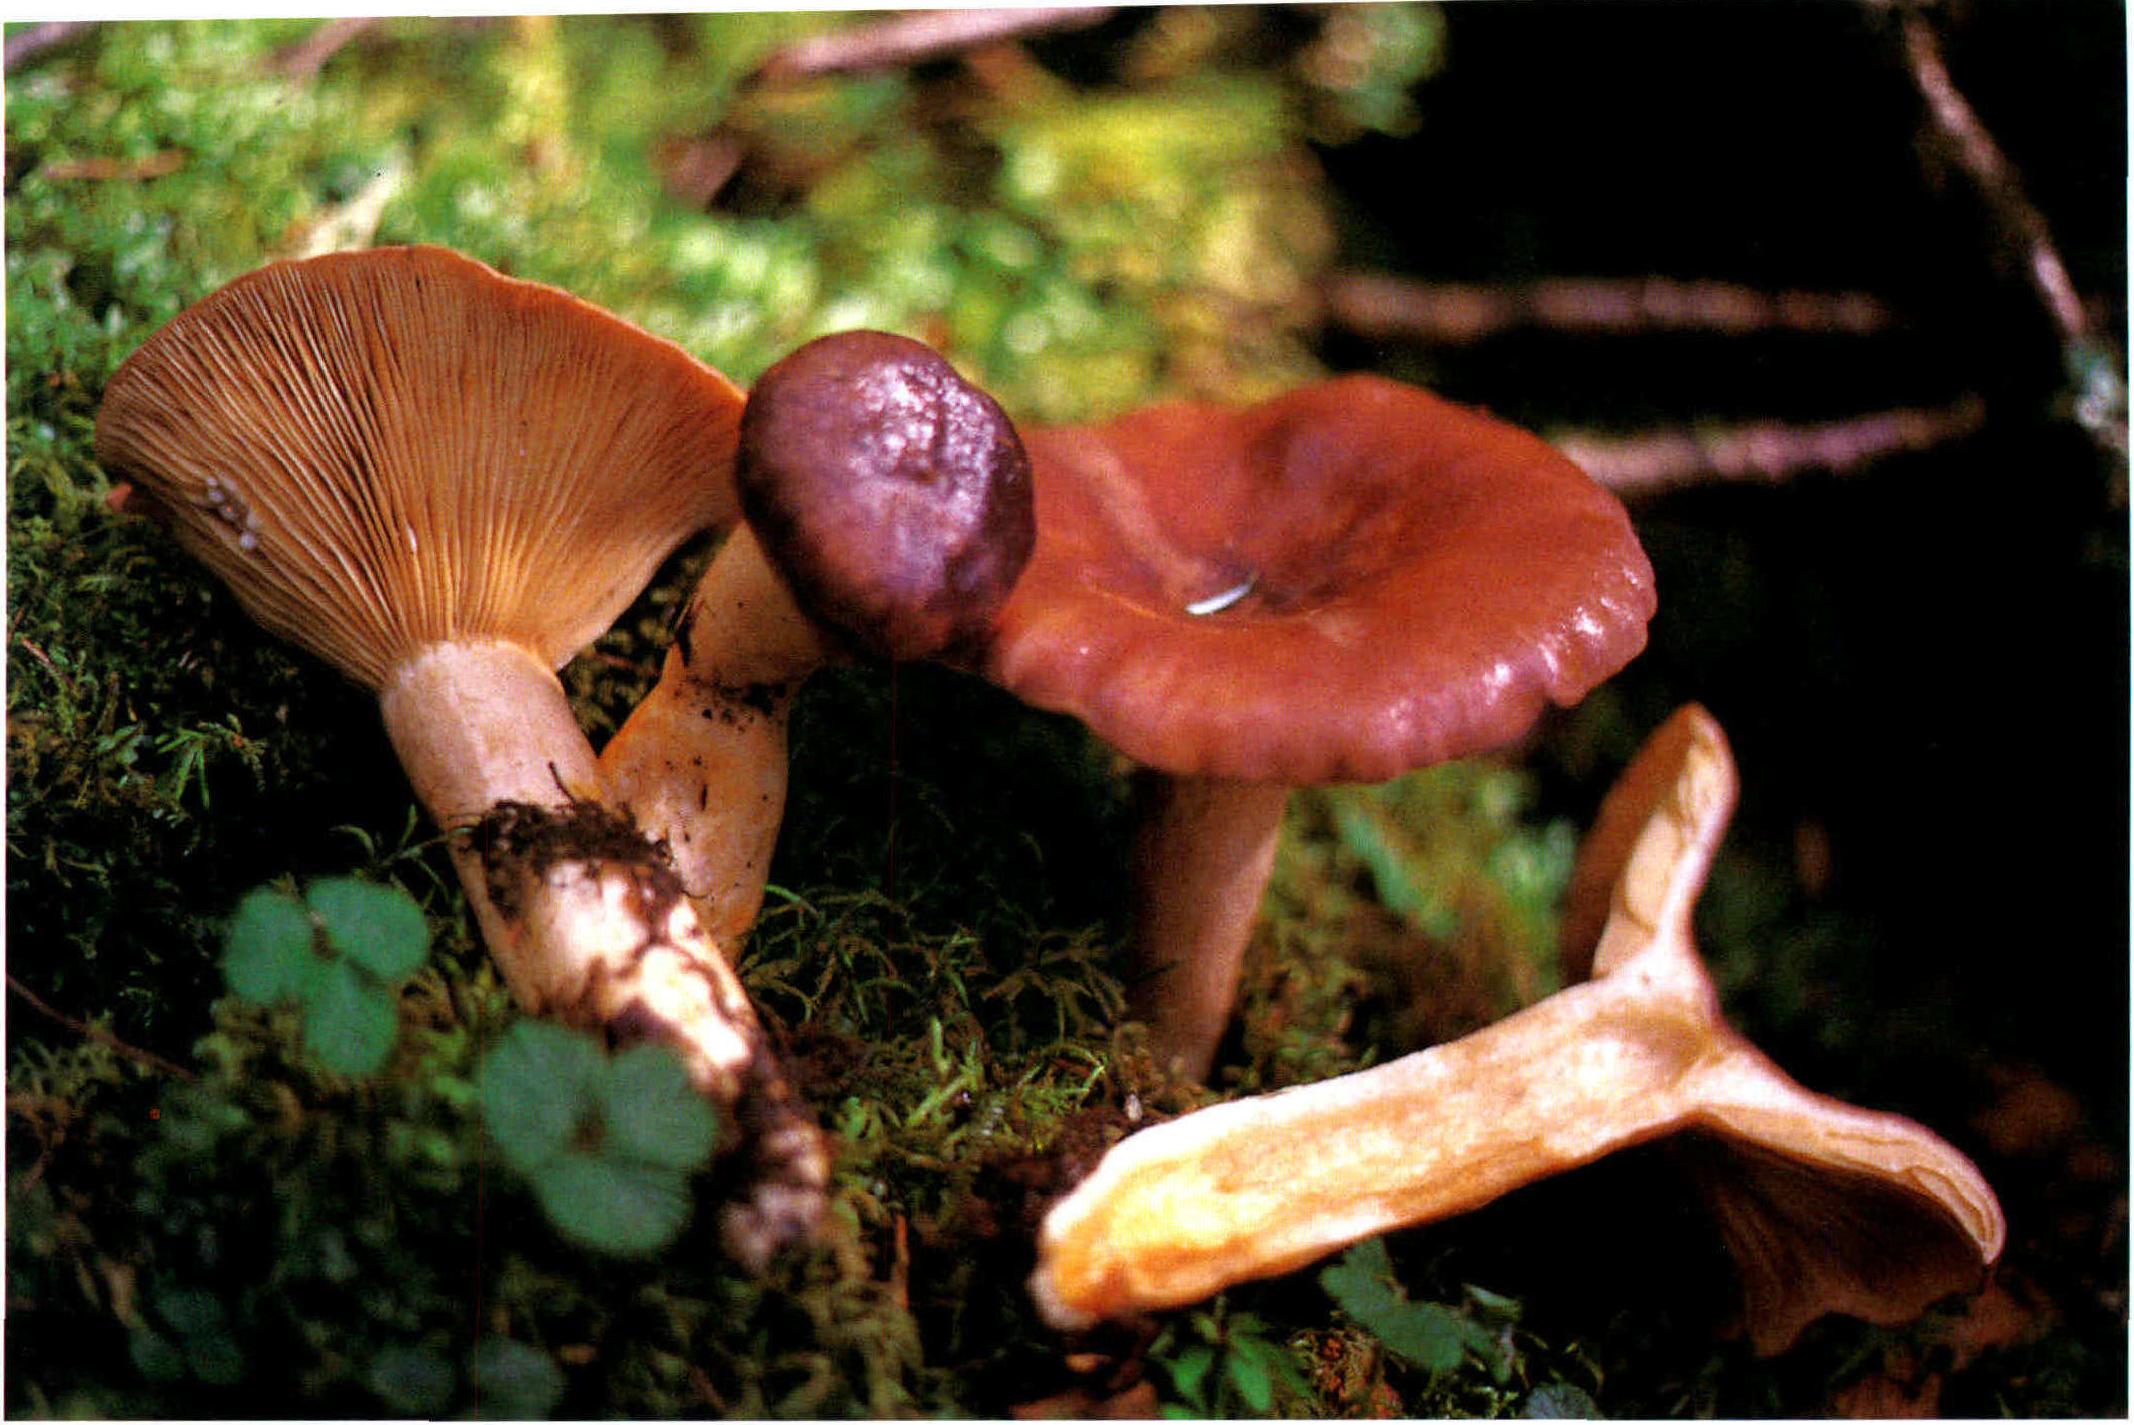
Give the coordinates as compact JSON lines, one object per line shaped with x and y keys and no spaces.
{"x":889,"y":512}
{"x":1825,"y":1207}
{"x":1345,"y":583}
{"x":444,"y":482}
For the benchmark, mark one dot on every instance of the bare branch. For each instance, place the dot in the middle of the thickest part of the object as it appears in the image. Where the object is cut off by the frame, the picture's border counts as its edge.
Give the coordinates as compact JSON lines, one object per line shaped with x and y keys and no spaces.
{"x":2100,"y":403}
{"x":308,"y":55}
{"x":1452,"y":313}
{"x":1766,"y":452}
{"x":154,"y":165}
{"x":920,"y":35}
{"x":101,"y":1035}
{"x":35,"y":40}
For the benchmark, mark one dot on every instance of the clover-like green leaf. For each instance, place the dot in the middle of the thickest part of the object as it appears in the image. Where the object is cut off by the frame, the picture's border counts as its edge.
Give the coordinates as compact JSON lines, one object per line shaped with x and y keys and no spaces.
{"x":514,"y":1381}
{"x":269,"y":954}
{"x":613,"y":1204}
{"x":350,"y":1021}
{"x":536,"y":1087}
{"x":379,"y":927}
{"x":607,"y":1143}
{"x":651,"y":1113}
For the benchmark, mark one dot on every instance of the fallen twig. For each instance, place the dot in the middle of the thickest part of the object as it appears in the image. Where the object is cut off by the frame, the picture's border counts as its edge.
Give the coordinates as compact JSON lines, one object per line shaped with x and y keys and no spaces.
{"x":38,"y":38}
{"x":101,"y":1035}
{"x":1764,"y":451}
{"x":308,"y":55}
{"x":49,"y":666}
{"x":920,"y":35}
{"x":2100,"y":396}
{"x":1452,"y":313}
{"x":154,"y":165}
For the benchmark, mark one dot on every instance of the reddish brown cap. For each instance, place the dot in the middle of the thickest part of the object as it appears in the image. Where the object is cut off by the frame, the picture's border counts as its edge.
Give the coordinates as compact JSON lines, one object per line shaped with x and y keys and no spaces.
{"x":379,"y":450}
{"x":1341,"y":584}
{"x":893,"y":495}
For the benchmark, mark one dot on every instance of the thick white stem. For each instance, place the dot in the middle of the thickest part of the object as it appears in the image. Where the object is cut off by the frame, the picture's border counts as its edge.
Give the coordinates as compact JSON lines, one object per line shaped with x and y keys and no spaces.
{"x":1202,"y":855}
{"x":585,"y":920}
{"x":701,"y":762}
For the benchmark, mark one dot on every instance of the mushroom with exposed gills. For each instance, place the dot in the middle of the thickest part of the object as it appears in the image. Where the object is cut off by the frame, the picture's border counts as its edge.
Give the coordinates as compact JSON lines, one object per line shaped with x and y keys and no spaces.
{"x":444,"y":482}
{"x":1825,"y":1207}
{"x":1345,"y":583}
{"x":888,"y":513}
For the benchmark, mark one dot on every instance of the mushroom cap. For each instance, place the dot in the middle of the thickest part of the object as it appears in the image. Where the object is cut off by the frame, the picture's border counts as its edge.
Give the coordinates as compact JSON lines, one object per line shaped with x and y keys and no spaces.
{"x":386,"y":449}
{"x":1343,"y":583}
{"x":1825,"y":1207}
{"x":893,"y":495}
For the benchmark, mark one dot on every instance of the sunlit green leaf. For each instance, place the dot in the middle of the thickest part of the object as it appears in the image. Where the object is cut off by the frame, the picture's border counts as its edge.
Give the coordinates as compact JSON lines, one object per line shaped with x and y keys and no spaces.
{"x":1254,"y":1385}
{"x":1189,"y":1370}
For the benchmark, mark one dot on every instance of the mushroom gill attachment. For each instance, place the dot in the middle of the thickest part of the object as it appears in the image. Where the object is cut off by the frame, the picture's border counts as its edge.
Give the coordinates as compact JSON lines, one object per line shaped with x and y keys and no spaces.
{"x":444,"y":482}
{"x":889,"y":513}
{"x":1345,"y":583}
{"x":1826,"y":1207}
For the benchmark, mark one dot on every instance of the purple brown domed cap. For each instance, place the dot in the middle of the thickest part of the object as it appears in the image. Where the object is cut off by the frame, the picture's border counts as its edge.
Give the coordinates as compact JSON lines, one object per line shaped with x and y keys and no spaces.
{"x":1344,"y":583}
{"x":893,"y":495}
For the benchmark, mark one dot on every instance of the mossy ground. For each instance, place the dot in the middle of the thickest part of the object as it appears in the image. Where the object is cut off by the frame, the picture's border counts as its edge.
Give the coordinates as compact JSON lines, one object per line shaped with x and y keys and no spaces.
{"x":1918,"y":666}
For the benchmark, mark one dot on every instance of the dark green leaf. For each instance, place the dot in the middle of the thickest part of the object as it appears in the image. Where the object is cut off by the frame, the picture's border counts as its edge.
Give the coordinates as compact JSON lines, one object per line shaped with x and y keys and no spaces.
{"x":413,"y":1380}
{"x":379,"y":927}
{"x":1560,"y":1400}
{"x":349,"y":1021}
{"x":514,"y":1381}
{"x":155,"y":1357}
{"x":1485,"y":1346}
{"x":535,"y":1087}
{"x":625,"y":1208}
{"x":214,"y":1357}
{"x":652,"y":1114}
{"x":268,"y":956}
{"x":1426,"y":1334}
{"x":190,"y":1309}
{"x":1361,"y":1284}
{"x":1497,"y":1305}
